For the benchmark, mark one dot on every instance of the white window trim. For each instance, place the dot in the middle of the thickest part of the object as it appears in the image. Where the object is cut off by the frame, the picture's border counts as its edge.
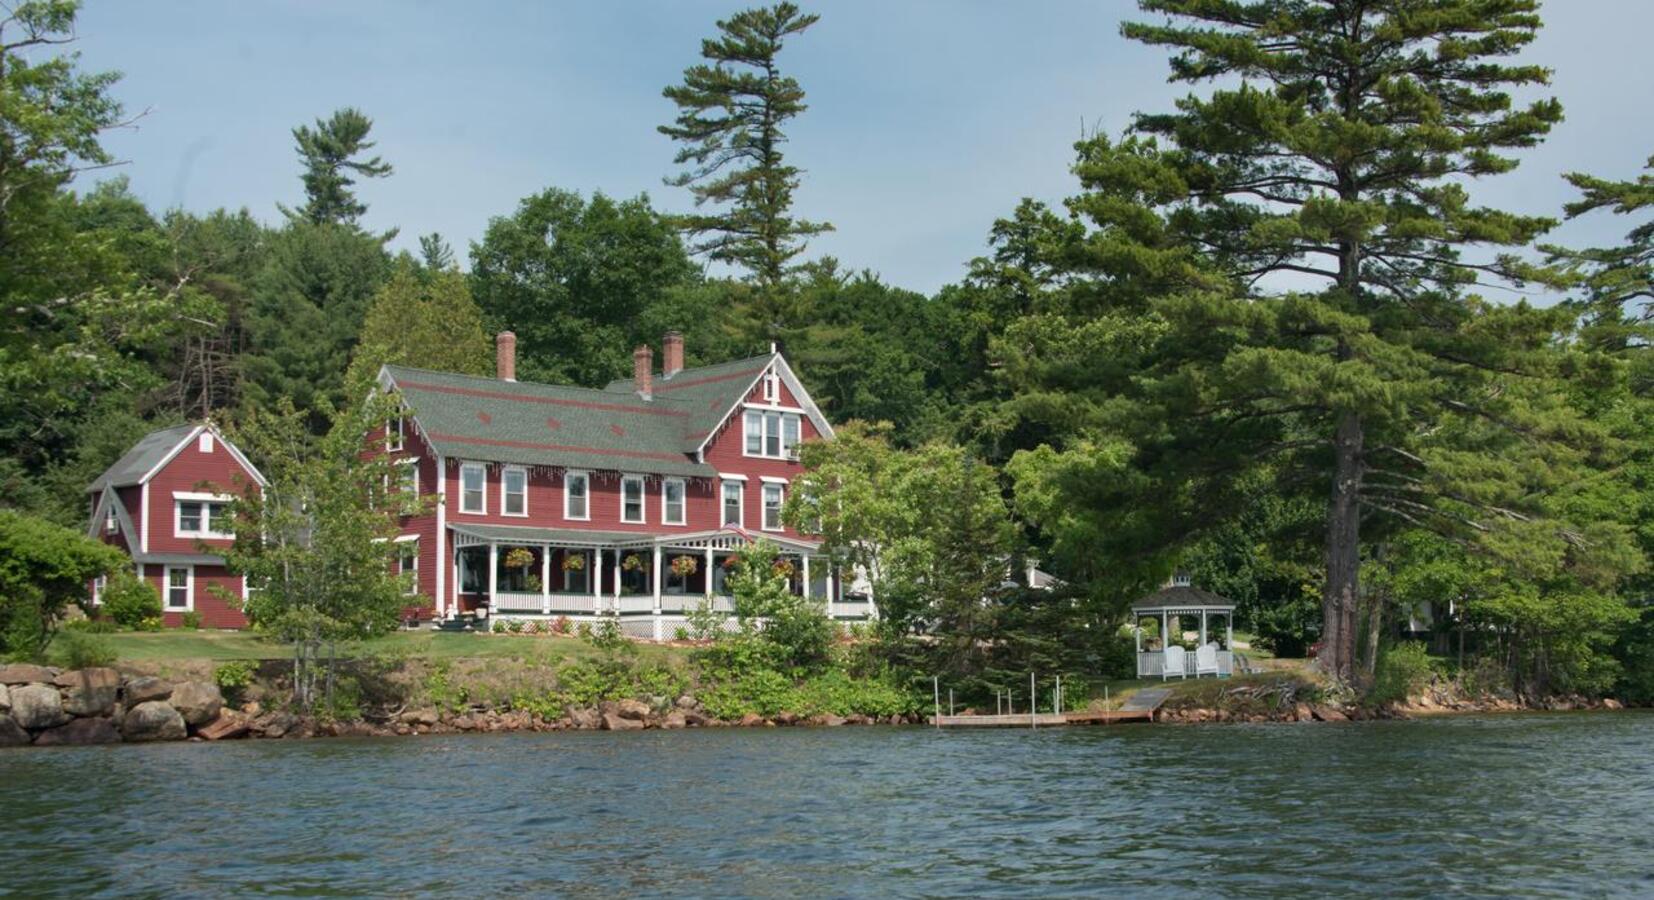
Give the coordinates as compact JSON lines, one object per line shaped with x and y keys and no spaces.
{"x":189,"y":589}
{"x":111,"y":522}
{"x":642,"y":500}
{"x":586,"y":478}
{"x":401,"y":432}
{"x":204,"y":443}
{"x":179,"y":498}
{"x":772,"y":387}
{"x":739,"y":481}
{"x":764,"y":506}
{"x":99,"y":585}
{"x":412,"y":589}
{"x":773,"y":407}
{"x":683,"y":502}
{"x":483,"y":493}
{"x":504,"y":508}
{"x":764,"y":412}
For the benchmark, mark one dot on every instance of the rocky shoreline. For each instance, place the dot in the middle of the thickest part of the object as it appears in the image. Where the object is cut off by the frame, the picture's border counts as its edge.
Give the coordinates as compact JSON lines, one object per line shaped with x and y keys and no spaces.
{"x":45,"y":706}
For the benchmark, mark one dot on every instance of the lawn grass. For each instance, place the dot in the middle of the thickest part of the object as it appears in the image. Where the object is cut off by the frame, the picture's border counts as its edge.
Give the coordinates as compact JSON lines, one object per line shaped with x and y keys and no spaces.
{"x":163,"y":646}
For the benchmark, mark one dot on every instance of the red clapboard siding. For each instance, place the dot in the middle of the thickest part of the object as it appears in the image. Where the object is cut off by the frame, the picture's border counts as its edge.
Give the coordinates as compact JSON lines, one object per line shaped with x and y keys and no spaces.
{"x":191,"y":471}
{"x":214,"y":610}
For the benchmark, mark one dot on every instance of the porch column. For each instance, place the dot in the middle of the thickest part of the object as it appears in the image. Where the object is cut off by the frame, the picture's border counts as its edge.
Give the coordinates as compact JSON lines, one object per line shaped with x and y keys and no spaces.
{"x":453,"y":608}
{"x":595,"y":569}
{"x":1165,"y":629}
{"x":493,"y":573}
{"x":1203,"y":627}
{"x":1229,"y":631}
{"x":545,"y":579}
{"x":617,"y":582}
{"x":832,"y":589}
{"x":708,"y":571}
{"x":806,"y":566}
{"x":657,"y":592}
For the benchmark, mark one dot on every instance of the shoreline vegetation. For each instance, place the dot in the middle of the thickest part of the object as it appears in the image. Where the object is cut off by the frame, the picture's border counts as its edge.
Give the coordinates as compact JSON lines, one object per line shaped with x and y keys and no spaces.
{"x":485,"y":683}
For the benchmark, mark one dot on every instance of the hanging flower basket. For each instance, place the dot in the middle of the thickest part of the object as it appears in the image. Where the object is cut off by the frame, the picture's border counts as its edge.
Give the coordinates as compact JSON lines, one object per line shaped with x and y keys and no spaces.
{"x":730,"y":562}
{"x":684,"y":566}
{"x":519,"y":558}
{"x":783,"y":568}
{"x":573,"y":562}
{"x":631,"y":563}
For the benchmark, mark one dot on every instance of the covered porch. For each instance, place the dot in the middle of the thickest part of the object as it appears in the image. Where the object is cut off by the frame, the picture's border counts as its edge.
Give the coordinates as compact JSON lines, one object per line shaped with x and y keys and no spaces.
{"x":1166,"y":617}
{"x":518,"y":571}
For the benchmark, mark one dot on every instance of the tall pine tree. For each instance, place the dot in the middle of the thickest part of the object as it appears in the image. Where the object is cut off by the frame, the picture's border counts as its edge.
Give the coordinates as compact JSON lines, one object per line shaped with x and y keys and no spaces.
{"x":331,"y":154}
{"x":1280,"y":281}
{"x":731,"y":111}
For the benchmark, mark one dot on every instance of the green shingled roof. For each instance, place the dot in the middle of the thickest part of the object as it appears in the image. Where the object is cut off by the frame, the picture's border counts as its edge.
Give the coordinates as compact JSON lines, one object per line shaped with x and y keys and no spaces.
{"x":471,"y":417}
{"x":706,"y":392}
{"x":131,"y":468}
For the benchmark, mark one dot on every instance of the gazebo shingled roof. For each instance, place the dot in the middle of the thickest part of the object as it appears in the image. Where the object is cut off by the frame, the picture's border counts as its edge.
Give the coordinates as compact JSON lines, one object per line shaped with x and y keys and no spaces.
{"x":1181,"y":597}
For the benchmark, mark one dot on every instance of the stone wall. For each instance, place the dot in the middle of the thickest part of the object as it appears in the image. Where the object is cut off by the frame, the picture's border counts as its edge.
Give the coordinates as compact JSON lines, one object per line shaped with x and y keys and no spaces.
{"x":46,"y":706}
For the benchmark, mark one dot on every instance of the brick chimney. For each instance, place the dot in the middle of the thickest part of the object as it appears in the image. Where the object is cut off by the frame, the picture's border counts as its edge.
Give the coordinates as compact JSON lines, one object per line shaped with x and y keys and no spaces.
{"x":505,"y":356}
{"x":671,"y":349}
{"x":643,"y":370}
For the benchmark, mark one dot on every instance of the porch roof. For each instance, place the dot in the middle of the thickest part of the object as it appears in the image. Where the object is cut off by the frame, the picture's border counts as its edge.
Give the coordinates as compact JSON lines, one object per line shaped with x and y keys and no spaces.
{"x":721,"y":539}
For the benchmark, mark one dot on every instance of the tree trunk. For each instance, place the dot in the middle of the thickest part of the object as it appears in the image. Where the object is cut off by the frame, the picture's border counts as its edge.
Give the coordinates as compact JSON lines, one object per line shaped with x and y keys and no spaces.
{"x":1339,"y":602}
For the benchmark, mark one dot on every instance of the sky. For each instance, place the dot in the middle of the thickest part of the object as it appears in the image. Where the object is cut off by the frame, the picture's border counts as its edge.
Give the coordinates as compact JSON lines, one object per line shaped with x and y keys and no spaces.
{"x":927,"y":119}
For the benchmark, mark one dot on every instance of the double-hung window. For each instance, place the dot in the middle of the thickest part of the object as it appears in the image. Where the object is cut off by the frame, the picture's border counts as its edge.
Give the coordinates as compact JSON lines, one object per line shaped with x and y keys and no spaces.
{"x":180,"y":588}
{"x":576,"y":495}
{"x":672,"y":501}
{"x":770,"y":434}
{"x":395,"y":432}
{"x":407,"y":565}
{"x":732,"y":503}
{"x":514,"y":491}
{"x":473,"y":489}
{"x":631,"y":499}
{"x":199,"y":517}
{"x":772,"y":506}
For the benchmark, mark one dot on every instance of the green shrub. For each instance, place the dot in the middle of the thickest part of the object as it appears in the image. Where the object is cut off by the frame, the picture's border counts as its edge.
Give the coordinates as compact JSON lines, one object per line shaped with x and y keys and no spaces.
{"x":233,"y":677}
{"x":1402,"y":669}
{"x":499,"y":626}
{"x":589,"y":682}
{"x":515,"y":626}
{"x":128,"y":601}
{"x":1486,"y":677}
{"x":152,"y":623}
{"x":191,"y":621}
{"x":90,"y":626}
{"x":80,"y":650}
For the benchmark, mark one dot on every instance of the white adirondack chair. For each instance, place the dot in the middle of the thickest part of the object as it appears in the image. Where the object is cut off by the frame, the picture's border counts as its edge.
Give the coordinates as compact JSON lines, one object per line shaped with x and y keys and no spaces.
{"x":1176,"y":663}
{"x":1206,"y":660}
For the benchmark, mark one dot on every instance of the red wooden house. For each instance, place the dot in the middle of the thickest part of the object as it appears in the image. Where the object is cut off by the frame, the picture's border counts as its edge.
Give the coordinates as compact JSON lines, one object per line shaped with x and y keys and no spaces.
{"x":163,"y":503}
{"x":552,"y":501}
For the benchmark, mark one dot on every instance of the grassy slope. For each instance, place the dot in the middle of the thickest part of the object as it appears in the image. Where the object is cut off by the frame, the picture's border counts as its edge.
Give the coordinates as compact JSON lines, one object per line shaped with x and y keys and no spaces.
{"x":223,"y":645}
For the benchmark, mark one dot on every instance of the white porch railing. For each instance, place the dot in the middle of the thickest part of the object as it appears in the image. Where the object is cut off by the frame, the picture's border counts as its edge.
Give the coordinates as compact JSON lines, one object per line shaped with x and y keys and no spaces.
{"x":525,"y":602}
{"x":629,"y":603}
{"x":852,"y":609}
{"x":516,"y":601}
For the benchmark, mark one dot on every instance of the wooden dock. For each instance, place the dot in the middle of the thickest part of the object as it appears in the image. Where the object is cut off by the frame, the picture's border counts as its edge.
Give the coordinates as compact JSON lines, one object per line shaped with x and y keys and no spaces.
{"x":1139,"y":707}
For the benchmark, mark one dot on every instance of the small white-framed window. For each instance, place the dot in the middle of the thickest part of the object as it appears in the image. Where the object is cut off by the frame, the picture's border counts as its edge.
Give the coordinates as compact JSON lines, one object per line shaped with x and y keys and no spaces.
{"x":473,"y":488}
{"x":196,"y":516}
{"x":577,"y":487}
{"x":753,"y":422}
{"x":180,"y":595}
{"x":514,"y":491}
{"x":407,"y":565}
{"x":110,"y":523}
{"x":99,"y":585}
{"x":772,"y":506}
{"x":772,"y":388}
{"x":407,"y":477}
{"x":396,"y":432}
{"x":732,"y":502}
{"x":672,"y":501}
{"x":204,"y":442}
{"x":631,"y":499}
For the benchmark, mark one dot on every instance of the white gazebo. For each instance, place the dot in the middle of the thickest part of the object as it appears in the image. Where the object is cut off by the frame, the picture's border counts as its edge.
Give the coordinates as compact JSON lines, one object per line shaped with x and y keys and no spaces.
{"x":1171,"y":605}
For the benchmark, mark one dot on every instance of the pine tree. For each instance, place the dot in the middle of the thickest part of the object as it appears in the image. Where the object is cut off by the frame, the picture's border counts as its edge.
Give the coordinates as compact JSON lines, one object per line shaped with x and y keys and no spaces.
{"x":731,"y":113}
{"x":1285,"y":283}
{"x":329,"y":152}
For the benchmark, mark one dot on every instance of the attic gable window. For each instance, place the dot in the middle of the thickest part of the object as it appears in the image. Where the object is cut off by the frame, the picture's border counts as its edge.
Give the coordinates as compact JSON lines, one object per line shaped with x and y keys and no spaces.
{"x":772,"y":388}
{"x":396,"y":431}
{"x":772,"y":435}
{"x":473,"y":491}
{"x":110,"y":524}
{"x":204,"y":443}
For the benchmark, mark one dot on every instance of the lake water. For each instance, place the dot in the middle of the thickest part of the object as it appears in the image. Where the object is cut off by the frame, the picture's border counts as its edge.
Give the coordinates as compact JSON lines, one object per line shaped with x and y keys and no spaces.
{"x":1526,"y":804}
